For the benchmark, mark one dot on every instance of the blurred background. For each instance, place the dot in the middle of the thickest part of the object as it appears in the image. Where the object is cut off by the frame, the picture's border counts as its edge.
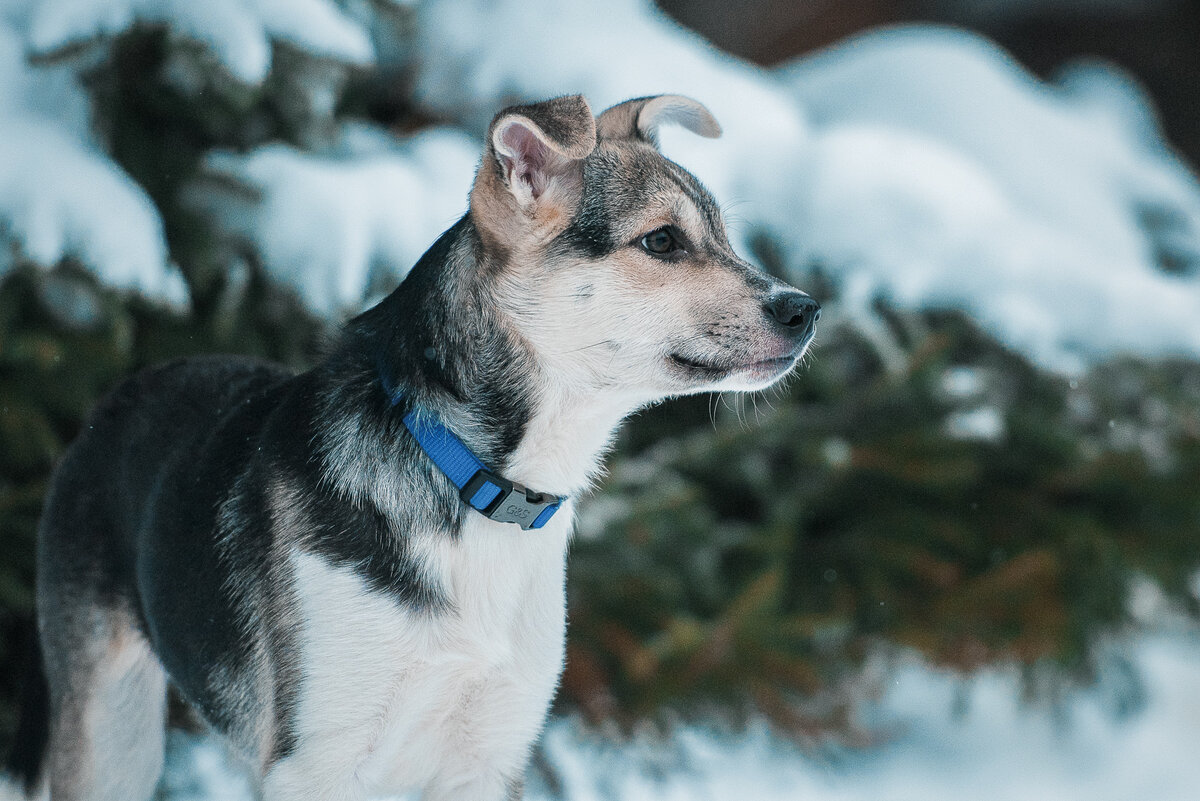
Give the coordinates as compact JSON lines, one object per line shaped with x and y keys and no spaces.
{"x":956,"y":556}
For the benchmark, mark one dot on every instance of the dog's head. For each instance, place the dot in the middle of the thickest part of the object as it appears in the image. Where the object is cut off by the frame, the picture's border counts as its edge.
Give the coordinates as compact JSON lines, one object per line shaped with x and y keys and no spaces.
{"x":612,"y":262}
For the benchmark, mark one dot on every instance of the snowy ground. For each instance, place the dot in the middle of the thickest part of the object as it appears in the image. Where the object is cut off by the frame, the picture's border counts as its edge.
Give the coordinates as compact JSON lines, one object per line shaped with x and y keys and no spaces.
{"x":949,"y":741}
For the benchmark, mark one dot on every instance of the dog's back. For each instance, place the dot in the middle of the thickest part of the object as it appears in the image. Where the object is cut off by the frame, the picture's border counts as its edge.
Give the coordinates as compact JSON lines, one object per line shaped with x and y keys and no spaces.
{"x":163,"y":417}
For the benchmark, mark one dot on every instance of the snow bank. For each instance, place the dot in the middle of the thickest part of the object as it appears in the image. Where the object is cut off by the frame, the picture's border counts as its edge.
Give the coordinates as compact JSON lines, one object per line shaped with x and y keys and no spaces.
{"x":62,"y":198}
{"x":945,"y":174}
{"x":237,"y":33}
{"x":340,"y":229}
{"x":59,"y":200}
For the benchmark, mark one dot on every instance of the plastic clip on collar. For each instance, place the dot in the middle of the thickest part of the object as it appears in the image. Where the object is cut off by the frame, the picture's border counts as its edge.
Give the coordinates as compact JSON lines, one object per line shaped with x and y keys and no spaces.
{"x":490,"y":494}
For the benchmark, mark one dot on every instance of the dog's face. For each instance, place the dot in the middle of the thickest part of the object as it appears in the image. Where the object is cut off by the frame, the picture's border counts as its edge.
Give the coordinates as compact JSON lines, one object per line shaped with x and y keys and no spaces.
{"x":613,"y":261}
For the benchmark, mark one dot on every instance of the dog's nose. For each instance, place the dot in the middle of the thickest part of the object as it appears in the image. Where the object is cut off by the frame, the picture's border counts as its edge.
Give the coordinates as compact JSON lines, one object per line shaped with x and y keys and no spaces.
{"x":796,"y":312}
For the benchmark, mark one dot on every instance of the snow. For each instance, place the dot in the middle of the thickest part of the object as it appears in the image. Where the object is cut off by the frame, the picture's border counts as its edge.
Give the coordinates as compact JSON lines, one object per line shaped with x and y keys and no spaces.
{"x":943,"y":738}
{"x":985,"y":424}
{"x":340,"y":229}
{"x":59,"y":200}
{"x":945,"y":174}
{"x":60,"y":197}
{"x":964,"y":383}
{"x":237,"y":33}
{"x":50,"y":92}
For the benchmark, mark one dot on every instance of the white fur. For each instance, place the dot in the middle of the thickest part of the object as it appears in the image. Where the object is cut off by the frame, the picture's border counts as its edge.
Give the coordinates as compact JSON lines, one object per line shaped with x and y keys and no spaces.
{"x":394,"y":699}
{"x":565,"y":441}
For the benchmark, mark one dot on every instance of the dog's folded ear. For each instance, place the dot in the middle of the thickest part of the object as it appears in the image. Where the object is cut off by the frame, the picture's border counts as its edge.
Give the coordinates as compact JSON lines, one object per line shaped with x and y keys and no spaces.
{"x":641,"y":118}
{"x":538,"y":149}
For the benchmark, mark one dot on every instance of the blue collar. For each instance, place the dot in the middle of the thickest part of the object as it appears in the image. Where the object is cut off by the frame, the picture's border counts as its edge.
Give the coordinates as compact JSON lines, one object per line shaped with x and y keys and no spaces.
{"x":490,"y":494}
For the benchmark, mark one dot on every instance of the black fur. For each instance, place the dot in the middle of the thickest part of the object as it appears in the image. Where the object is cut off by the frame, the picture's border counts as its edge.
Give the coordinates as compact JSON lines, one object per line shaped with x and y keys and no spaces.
{"x":24,"y":761}
{"x":440,"y":333}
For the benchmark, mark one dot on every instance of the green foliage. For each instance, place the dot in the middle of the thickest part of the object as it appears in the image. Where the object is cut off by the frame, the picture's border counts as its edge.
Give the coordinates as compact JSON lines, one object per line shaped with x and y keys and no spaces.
{"x":761,"y":559}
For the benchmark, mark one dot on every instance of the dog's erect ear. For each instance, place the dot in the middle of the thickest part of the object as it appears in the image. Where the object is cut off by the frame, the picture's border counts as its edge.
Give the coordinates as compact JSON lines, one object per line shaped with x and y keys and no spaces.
{"x":640,"y":118}
{"x":536,"y":146}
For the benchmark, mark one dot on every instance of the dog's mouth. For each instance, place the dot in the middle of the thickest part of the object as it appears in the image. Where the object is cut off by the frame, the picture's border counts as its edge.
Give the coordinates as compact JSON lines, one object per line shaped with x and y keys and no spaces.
{"x":698,"y":368}
{"x":712,"y":371}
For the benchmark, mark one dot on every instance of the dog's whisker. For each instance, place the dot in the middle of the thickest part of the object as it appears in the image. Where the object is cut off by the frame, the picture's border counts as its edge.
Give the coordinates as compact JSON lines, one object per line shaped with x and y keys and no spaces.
{"x":600,"y":344}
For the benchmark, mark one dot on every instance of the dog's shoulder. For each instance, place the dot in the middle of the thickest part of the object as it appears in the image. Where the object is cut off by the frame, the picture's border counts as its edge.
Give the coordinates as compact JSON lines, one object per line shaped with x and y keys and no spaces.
{"x":184,"y":393}
{"x":202,"y":379}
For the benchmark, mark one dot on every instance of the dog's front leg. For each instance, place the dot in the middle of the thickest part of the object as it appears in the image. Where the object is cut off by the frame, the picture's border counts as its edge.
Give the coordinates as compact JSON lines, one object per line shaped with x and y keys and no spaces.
{"x":483,"y":787}
{"x":290,"y":780}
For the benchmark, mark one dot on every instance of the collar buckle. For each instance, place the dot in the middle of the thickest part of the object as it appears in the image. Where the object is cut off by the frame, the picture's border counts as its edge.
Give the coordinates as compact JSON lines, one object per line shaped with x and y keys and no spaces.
{"x":505,"y":501}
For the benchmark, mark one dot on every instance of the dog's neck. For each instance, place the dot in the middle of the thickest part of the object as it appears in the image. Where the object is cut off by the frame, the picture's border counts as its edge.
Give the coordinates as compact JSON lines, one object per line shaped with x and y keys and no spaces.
{"x":440,"y":341}
{"x":565,"y":440}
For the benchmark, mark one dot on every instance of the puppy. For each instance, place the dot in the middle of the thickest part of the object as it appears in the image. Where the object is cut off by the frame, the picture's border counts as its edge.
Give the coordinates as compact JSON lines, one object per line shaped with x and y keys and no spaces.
{"x":356,"y":575}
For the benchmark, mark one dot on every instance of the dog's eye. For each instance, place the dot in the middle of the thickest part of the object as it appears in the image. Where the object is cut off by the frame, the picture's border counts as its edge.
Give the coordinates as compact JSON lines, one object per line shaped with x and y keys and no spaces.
{"x":660,"y":242}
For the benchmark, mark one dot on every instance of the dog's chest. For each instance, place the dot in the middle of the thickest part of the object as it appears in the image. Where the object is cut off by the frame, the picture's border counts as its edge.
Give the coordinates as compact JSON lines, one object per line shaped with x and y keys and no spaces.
{"x":403,"y":697}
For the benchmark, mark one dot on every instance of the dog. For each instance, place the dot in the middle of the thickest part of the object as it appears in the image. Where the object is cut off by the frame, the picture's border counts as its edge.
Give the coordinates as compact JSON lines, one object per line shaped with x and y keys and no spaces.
{"x":356,"y":575}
